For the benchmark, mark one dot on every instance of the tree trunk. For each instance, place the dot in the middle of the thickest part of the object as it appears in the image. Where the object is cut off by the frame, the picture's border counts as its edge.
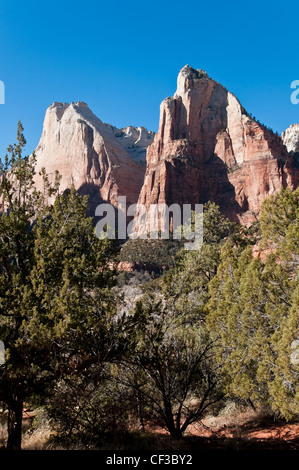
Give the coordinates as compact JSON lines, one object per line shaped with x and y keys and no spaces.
{"x":140,"y":414}
{"x":176,"y":433}
{"x":14,"y":425}
{"x":174,"y":430}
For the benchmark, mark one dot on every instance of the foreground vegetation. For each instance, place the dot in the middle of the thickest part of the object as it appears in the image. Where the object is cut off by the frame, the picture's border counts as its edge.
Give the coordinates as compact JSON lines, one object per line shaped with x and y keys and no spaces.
{"x":219,"y":324}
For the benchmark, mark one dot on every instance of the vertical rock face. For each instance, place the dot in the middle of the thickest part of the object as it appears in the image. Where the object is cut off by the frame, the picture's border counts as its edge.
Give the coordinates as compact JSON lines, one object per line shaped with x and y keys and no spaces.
{"x":209,"y":148}
{"x":87,"y":153}
{"x":291,"y":138}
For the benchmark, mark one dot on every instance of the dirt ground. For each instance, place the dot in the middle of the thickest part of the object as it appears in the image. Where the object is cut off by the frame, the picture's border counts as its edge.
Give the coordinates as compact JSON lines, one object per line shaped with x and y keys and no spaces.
{"x":247,"y":430}
{"x":232,"y":430}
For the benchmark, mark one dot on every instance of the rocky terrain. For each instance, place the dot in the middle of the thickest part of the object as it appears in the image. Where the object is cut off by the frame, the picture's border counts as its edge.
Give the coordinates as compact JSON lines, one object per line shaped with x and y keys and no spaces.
{"x":209,"y":148}
{"x":135,"y":140}
{"x":90,"y":154}
{"x":291,"y":138}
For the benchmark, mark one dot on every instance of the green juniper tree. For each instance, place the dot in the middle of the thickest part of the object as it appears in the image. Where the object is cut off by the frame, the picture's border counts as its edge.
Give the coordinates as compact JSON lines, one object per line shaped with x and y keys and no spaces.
{"x":20,"y":204}
{"x":187,"y":283}
{"x":253,"y":307}
{"x":55,"y":300}
{"x":171,"y":365}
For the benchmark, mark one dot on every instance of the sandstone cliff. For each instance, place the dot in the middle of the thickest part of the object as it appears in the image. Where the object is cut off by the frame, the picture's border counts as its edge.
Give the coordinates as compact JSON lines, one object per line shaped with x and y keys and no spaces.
{"x":87,"y":153}
{"x":209,"y":148}
{"x":291,"y":138}
{"x":135,"y":140}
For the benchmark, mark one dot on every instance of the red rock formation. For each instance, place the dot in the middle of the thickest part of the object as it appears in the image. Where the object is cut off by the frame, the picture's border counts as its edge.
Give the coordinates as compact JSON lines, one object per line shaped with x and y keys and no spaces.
{"x":87,"y":153}
{"x":209,"y":148}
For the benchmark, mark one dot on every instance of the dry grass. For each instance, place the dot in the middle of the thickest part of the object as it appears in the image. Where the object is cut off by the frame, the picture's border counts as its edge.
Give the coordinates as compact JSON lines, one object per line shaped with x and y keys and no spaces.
{"x":36,"y":430}
{"x":3,"y":435}
{"x":232,"y":427}
{"x":37,"y":439}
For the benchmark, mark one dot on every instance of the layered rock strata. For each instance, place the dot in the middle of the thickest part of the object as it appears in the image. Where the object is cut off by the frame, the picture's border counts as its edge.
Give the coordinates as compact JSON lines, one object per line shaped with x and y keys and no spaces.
{"x":209,"y":148}
{"x":87,"y":153}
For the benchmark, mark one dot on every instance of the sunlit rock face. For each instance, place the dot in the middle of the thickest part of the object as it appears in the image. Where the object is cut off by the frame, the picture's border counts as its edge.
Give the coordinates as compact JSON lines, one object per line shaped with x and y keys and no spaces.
{"x":291,"y":138}
{"x":135,"y":140}
{"x":87,"y":153}
{"x":209,"y":148}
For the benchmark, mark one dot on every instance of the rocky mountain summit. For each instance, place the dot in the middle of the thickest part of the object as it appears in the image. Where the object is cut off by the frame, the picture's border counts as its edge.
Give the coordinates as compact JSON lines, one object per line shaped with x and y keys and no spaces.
{"x":135,"y":140}
{"x":92,"y":155}
{"x":209,"y":148}
{"x":291,"y":138}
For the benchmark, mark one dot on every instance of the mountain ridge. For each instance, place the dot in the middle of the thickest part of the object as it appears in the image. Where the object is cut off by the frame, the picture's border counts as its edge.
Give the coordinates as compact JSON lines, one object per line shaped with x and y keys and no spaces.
{"x":207,"y":148}
{"x":87,"y":153}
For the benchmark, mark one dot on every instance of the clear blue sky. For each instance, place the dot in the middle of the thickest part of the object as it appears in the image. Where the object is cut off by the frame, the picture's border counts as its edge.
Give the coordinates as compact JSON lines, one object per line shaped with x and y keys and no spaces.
{"x":122,"y":58}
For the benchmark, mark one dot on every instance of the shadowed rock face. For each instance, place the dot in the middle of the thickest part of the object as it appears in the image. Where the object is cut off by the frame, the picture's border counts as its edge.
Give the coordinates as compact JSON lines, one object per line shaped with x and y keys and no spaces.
{"x":209,"y":148}
{"x":87,"y":153}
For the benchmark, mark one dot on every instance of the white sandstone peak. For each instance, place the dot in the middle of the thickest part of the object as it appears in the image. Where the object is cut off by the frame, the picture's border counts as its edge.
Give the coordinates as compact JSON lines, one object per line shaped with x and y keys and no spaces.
{"x":290,"y":138}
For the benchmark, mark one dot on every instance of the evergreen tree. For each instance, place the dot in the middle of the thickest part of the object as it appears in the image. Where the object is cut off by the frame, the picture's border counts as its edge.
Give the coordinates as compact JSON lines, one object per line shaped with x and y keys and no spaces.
{"x":254,"y":307}
{"x":55,"y":301}
{"x":171,"y":362}
{"x":20,"y":204}
{"x":170,"y":365}
{"x":186,"y":284}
